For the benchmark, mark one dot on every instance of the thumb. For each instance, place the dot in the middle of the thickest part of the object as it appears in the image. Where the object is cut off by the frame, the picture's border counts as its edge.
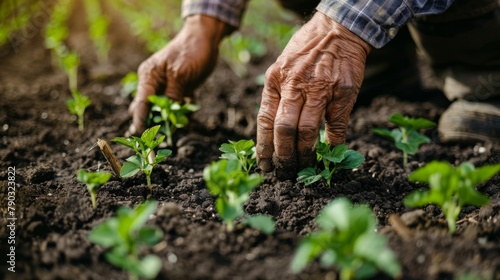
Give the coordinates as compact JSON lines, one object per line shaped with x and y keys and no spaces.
{"x":149,"y":82}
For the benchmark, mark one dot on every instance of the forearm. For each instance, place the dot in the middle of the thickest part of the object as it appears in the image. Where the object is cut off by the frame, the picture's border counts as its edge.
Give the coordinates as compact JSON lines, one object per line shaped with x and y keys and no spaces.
{"x":378,"y":23}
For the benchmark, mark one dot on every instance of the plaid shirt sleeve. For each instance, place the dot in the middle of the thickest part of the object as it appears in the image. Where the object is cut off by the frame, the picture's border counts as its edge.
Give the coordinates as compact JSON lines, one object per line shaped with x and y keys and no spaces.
{"x":378,"y":21}
{"x":228,"y":11}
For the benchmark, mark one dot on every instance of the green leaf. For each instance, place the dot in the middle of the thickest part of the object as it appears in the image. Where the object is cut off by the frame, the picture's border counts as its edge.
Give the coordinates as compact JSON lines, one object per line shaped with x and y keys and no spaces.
{"x":413,"y":123}
{"x":150,"y":266}
{"x":384,"y":132}
{"x":263,"y":223}
{"x":352,"y":159}
{"x":148,"y":136}
{"x":373,"y":248}
{"x":127,"y":142}
{"x":149,"y":235}
{"x":129,"y":169}
{"x":142,"y":212}
{"x":337,"y":154}
{"x":308,"y":176}
{"x":310,"y":247}
{"x":105,"y":233}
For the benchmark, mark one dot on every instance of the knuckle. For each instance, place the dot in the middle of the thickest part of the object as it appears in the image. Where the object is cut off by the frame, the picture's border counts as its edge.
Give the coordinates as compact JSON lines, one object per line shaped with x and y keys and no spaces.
{"x":265,"y":120}
{"x":308,"y":133}
{"x":285,"y":130}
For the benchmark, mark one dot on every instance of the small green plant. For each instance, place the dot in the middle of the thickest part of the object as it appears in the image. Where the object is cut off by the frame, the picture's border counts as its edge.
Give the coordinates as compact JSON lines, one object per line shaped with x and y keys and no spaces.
{"x":231,"y":185}
{"x":70,"y":62}
{"x":347,"y":238}
{"x":98,"y":28}
{"x":450,"y":188}
{"x":125,"y":234}
{"x":77,"y":106}
{"x":143,"y":147}
{"x":406,"y":137}
{"x":93,"y":180}
{"x":332,"y":159}
{"x":242,"y":151}
{"x":129,"y":84}
{"x":172,"y":114}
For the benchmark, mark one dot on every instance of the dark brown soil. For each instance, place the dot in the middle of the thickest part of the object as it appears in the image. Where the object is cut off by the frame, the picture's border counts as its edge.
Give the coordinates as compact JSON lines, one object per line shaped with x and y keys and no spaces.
{"x":54,"y":215}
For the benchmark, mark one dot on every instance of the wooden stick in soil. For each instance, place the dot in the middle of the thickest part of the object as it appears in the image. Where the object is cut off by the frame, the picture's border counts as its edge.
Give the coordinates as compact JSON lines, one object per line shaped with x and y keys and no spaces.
{"x":399,"y":227}
{"x":109,"y":155}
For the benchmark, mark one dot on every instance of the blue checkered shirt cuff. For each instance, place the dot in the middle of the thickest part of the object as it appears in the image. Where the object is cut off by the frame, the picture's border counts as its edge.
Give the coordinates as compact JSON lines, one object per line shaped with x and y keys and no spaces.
{"x":378,"y":21}
{"x":228,"y":11}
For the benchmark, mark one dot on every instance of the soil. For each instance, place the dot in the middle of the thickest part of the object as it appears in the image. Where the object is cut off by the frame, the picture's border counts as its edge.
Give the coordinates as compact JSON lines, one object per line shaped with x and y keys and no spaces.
{"x":54,"y":215}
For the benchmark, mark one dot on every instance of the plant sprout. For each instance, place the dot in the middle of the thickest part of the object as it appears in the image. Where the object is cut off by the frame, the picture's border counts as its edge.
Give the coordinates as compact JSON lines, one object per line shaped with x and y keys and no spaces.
{"x":93,"y":180}
{"x":143,"y":147}
{"x":172,"y":114}
{"x":242,"y":151}
{"x":124,"y":234}
{"x":450,"y":188}
{"x":347,"y":238}
{"x":129,"y":84}
{"x":226,"y":180}
{"x":332,"y":159}
{"x":77,"y":106}
{"x":98,"y":28}
{"x":406,"y":137}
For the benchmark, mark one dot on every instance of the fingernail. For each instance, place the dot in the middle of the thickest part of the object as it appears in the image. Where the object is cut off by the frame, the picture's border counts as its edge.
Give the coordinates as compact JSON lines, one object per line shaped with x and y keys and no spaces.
{"x":265,"y":165}
{"x":131,"y":131}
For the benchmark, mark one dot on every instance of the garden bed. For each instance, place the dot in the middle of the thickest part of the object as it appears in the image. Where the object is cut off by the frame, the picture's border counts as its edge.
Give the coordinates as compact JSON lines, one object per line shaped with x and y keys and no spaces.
{"x":54,"y":215}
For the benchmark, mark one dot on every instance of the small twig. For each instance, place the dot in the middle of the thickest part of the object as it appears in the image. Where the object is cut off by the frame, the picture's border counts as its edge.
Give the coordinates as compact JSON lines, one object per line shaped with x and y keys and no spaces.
{"x":109,"y":155}
{"x":468,"y":219}
{"x":400,"y":227}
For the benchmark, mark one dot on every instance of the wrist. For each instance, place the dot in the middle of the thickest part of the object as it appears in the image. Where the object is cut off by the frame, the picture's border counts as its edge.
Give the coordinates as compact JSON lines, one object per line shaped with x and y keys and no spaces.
{"x":211,"y":27}
{"x":323,"y":22}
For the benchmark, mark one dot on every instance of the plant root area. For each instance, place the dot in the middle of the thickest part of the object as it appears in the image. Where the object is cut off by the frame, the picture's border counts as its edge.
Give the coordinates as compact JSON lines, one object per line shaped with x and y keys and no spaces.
{"x":54,"y":215}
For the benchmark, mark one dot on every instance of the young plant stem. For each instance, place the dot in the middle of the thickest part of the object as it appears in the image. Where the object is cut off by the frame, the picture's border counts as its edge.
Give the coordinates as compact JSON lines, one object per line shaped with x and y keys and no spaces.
{"x":230,"y":226}
{"x":148,"y":179}
{"x":346,"y":274}
{"x":405,"y":158}
{"x":93,"y":199}
{"x":80,"y":122}
{"x":169,"y":134}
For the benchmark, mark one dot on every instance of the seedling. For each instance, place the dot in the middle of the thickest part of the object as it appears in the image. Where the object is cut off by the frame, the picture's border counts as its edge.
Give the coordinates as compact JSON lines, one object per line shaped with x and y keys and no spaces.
{"x":77,"y":106}
{"x":98,"y":28}
{"x":347,"y":238}
{"x":125,"y":234}
{"x":450,"y":188}
{"x":332,"y":159}
{"x":129,"y":84}
{"x":172,"y":114}
{"x":94,"y":181}
{"x":406,"y":137}
{"x":226,"y":180}
{"x":143,"y":147}
{"x":242,"y":151}
{"x":70,"y":62}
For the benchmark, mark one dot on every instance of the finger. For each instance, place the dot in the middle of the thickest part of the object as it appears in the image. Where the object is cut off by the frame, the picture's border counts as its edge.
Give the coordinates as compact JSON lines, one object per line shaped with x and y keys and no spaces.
{"x":265,"y":120}
{"x":318,"y":95}
{"x":310,"y":120}
{"x":285,"y":131}
{"x":149,"y":83}
{"x":339,"y":109}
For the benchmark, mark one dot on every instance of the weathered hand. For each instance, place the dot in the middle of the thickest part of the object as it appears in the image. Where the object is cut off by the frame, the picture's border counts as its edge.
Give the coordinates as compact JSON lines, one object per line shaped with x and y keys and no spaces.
{"x":317,"y":77}
{"x":178,"y":68}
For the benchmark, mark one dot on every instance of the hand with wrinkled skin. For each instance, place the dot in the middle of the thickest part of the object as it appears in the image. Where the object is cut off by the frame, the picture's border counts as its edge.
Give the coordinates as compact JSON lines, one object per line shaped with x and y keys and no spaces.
{"x":317,"y":77}
{"x":178,"y":68}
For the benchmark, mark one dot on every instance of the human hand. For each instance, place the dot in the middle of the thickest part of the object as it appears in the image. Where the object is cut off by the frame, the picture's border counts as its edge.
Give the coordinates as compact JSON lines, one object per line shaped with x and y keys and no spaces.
{"x":317,"y":77}
{"x":179,"y":68}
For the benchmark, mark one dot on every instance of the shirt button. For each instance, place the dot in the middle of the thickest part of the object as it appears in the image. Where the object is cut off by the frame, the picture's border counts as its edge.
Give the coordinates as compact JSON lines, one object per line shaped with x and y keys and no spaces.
{"x":392,"y":32}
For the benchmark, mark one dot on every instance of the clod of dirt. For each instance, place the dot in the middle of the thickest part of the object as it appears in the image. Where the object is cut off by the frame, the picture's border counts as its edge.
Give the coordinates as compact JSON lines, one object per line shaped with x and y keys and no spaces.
{"x":41,"y":174}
